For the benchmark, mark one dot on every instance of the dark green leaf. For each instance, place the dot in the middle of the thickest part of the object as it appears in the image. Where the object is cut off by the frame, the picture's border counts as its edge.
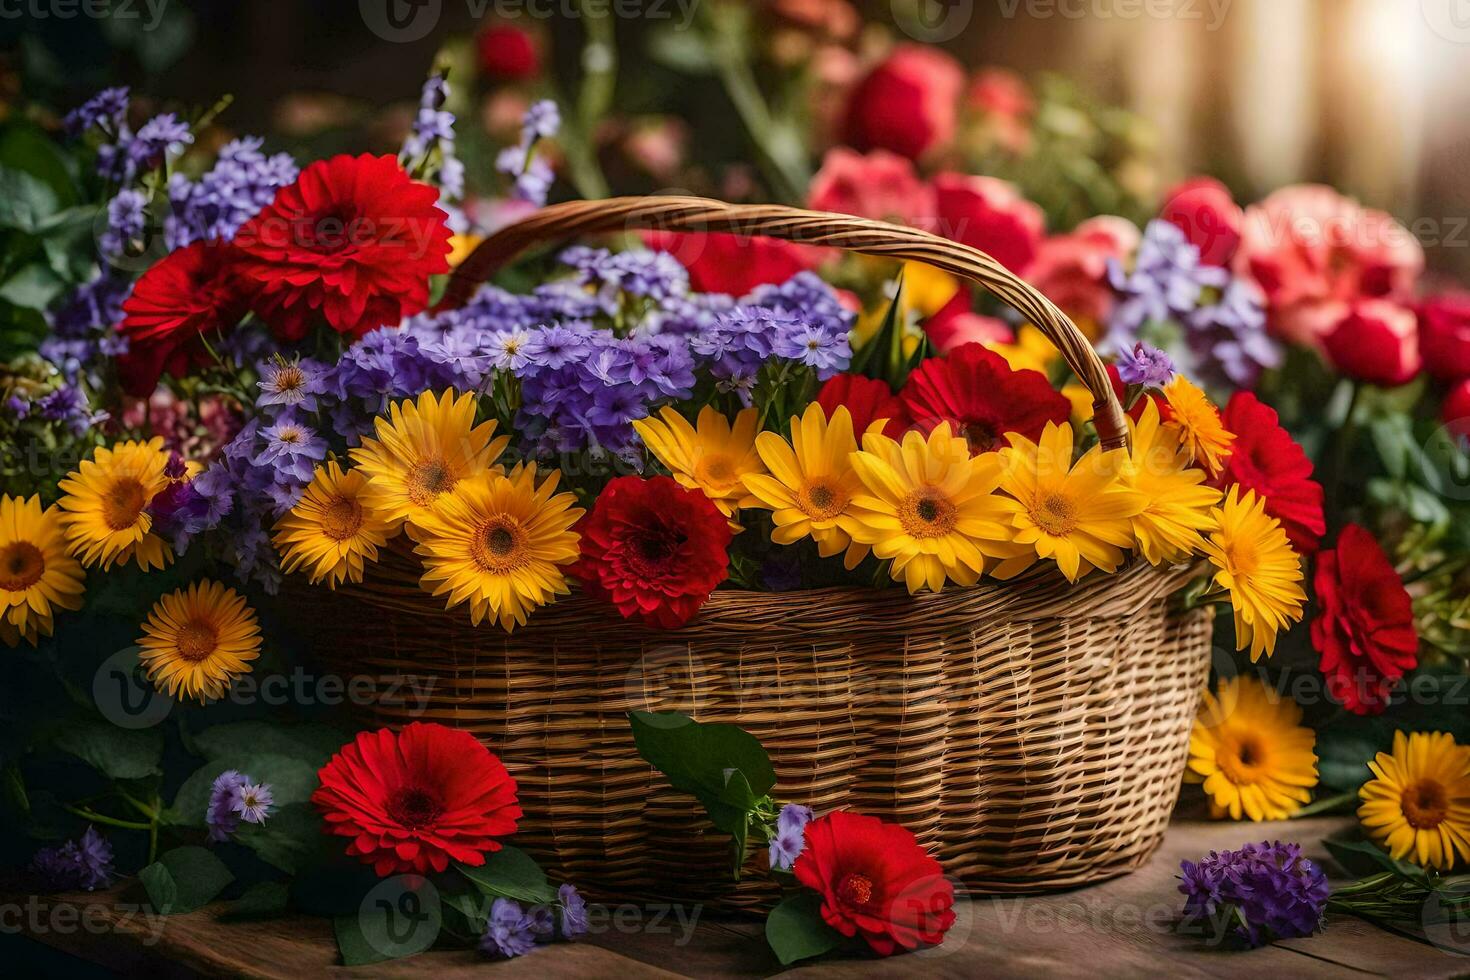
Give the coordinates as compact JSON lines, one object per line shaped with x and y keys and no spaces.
{"x":394,"y":920}
{"x":289,"y":835}
{"x":32,"y":288}
{"x":25,"y":201}
{"x":117,"y":752}
{"x":511,"y":873}
{"x":310,"y":743}
{"x":184,"y":879}
{"x":700,"y":759}
{"x":1364,"y":857}
{"x":263,"y":900}
{"x":795,"y":930}
{"x":870,"y":359}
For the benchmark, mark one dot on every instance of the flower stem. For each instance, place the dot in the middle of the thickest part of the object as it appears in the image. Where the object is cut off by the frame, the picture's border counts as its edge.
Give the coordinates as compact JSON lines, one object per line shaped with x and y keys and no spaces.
{"x":105,"y":820}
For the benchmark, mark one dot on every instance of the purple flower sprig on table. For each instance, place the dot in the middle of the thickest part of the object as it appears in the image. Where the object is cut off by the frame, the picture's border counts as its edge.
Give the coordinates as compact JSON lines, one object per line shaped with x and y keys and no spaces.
{"x":84,"y":863}
{"x":510,"y":930}
{"x":1259,"y":893}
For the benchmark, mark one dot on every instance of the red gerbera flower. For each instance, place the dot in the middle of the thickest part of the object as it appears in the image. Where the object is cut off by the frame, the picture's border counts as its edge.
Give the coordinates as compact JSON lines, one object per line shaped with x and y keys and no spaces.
{"x":867,"y":400}
{"x":1266,"y":459}
{"x":876,"y":880}
{"x":187,"y":293}
{"x":979,"y":395}
{"x":416,"y":800}
{"x":352,"y":242}
{"x":1365,"y":625}
{"x":654,"y":549}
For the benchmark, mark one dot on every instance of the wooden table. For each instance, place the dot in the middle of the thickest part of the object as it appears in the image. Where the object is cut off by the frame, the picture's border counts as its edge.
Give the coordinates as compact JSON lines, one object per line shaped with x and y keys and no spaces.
{"x":1123,"y":928}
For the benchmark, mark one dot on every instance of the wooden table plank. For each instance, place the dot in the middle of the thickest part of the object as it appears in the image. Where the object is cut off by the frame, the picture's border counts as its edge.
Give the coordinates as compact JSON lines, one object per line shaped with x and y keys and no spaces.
{"x":1122,"y":928}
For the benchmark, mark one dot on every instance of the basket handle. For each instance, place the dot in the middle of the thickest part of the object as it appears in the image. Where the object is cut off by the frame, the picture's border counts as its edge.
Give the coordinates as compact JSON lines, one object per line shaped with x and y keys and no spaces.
{"x":818,"y":228}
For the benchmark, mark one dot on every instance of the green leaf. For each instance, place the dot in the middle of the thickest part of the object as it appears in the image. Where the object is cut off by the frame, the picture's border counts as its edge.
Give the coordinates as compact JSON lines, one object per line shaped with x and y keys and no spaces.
{"x":288,"y":837}
{"x":682,"y":50}
{"x":263,"y":900}
{"x":117,"y":752}
{"x":393,"y":921}
{"x":291,"y":781}
{"x":795,"y":929}
{"x":32,"y":288}
{"x":310,"y":743}
{"x":27,"y":148}
{"x":511,"y":873}
{"x":184,"y":879}
{"x":870,"y":359}
{"x":25,"y":201}
{"x":1365,"y":857}
{"x":705,"y":760}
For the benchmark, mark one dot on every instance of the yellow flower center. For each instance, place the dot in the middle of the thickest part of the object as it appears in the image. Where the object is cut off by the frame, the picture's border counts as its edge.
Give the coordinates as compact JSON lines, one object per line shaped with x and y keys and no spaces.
{"x":342,"y":518}
{"x":1241,"y":758}
{"x":1055,"y":514}
{"x":715,"y":471}
{"x":21,"y":566}
{"x":856,"y":888}
{"x":1425,"y":804}
{"x":289,"y":378}
{"x":821,"y":501}
{"x":1240,"y":558}
{"x":428,"y":479}
{"x":499,"y":546}
{"x":927,"y":513}
{"x":196,"y":641}
{"x":123,"y":503}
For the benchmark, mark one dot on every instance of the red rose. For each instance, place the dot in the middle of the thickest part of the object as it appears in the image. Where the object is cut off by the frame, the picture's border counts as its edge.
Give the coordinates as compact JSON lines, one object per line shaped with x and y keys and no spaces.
{"x":982,"y":398}
{"x":908,"y":104}
{"x":1444,"y":335}
{"x":1377,"y":342}
{"x":867,"y":400}
{"x":1365,"y":625}
{"x":412,"y":802}
{"x":990,"y":215}
{"x":722,"y":263}
{"x":875,"y":881}
{"x":1456,"y":412}
{"x":1267,"y":460}
{"x":654,"y":549}
{"x":508,"y":53}
{"x":1072,"y":270}
{"x":353,"y":242}
{"x":879,"y":185}
{"x":1204,"y":210}
{"x":188,"y":293}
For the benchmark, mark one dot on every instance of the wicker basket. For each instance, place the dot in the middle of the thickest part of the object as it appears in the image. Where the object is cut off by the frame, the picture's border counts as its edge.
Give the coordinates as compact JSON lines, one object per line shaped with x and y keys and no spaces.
{"x":1031,"y":734}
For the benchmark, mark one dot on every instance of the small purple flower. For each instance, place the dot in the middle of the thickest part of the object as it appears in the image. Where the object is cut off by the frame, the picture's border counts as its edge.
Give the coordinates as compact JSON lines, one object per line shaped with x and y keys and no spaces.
{"x":242,"y":181}
{"x":542,"y":120}
{"x":253,"y":802}
{"x":1146,"y":366}
{"x":84,"y":863}
{"x":221,"y":817}
{"x":293,"y":383}
{"x":106,"y":109}
{"x":127,"y":221}
{"x":292,"y":448}
{"x":815,"y":345}
{"x":790,"y":837}
{"x":554,"y":346}
{"x":1261,"y":892}
{"x":509,"y":931}
{"x":1229,"y":339}
{"x":160,"y":137}
{"x":573,"y":911}
{"x":507,"y":349}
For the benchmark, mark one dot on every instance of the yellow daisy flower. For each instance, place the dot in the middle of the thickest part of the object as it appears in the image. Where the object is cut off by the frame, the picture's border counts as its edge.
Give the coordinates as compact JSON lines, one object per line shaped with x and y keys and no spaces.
{"x":930,"y":507}
{"x":1078,"y":514}
{"x":104,"y":501}
{"x":1259,"y":569}
{"x":197,"y":640}
{"x":812,"y":483}
{"x":1197,"y":423}
{"x":1178,"y":504}
{"x":1030,"y":351}
{"x":37,"y":573}
{"x":334,"y":529}
{"x":422,"y":450}
{"x":1251,"y":752}
{"x":1418,"y":804}
{"x":715,"y":457}
{"x":498,"y":542}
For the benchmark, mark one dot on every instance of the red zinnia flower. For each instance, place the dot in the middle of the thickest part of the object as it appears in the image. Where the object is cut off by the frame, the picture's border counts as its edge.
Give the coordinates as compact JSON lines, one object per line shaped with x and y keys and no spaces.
{"x":1266,"y":459}
{"x":187,"y":293}
{"x":353,"y":241}
{"x":654,"y":549}
{"x":876,"y":880}
{"x":1365,"y":627}
{"x":867,"y":400}
{"x":980,"y":396}
{"x":416,"y":800}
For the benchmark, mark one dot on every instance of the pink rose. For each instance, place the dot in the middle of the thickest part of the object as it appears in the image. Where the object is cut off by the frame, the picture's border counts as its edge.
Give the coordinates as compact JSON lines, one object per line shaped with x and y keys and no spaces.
{"x":1005,"y":105}
{"x":1444,"y":335}
{"x":1072,"y":270}
{"x":990,"y":215}
{"x":1203,"y":209}
{"x":1377,"y":342}
{"x":879,"y":185}
{"x":908,"y":104}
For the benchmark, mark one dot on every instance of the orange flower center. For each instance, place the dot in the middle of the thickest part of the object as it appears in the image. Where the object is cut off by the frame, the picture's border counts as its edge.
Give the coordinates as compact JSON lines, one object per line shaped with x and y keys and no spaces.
{"x":927,"y":513}
{"x":342,"y":518}
{"x":123,"y":502}
{"x":1425,"y":804}
{"x":715,"y":471}
{"x":499,"y":546}
{"x":21,"y":566}
{"x":1055,"y":514}
{"x":428,"y":479}
{"x":414,"y":808}
{"x":856,"y":889}
{"x":196,"y":641}
{"x":821,"y":501}
{"x":1241,"y":758}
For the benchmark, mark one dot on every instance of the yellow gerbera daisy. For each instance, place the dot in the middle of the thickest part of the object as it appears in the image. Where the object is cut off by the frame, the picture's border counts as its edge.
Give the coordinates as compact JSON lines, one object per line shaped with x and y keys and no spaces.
{"x":812,"y":483}
{"x":422,"y":450}
{"x":1197,"y":423}
{"x":37,"y":574}
{"x":1418,"y":804}
{"x":197,"y":640}
{"x":498,"y":542}
{"x":1259,"y":569}
{"x":1178,"y":504}
{"x":930,"y":507}
{"x":1031,"y":350}
{"x":1252,"y":752}
{"x":104,"y":503}
{"x":714,"y":457}
{"x":334,"y":529}
{"x":1078,"y":514}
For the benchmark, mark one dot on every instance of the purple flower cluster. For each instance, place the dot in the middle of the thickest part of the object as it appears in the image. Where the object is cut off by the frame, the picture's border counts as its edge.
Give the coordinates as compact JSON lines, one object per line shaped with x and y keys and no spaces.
{"x":1229,"y":341}
{"x":1262,"y":892}
{"x":511,"y":930}
{"x":1146,"y":366}
{"x":790,"y":837}
{"x":242,"y":181}
{"x":127,"y":222}
{"x":107,"y":111}
{"x":83,"y":325}
{"x":532,"y":175}
{"x":428,"y":150}
{"x":233,"y":798}
{"x":656,"y":276}
{"x":1166,"y":283}
{"x":65,"y":405}
{"x":84,"y":863}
